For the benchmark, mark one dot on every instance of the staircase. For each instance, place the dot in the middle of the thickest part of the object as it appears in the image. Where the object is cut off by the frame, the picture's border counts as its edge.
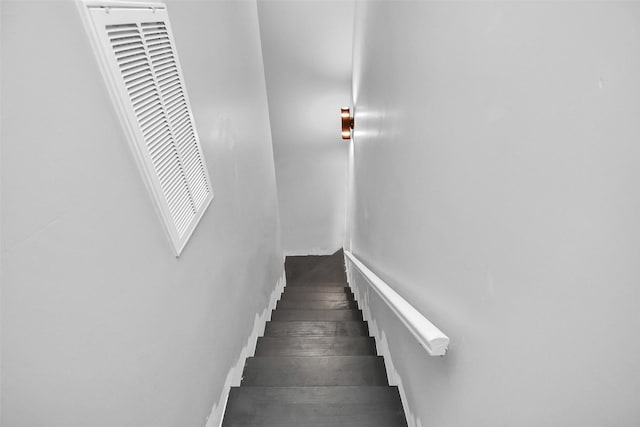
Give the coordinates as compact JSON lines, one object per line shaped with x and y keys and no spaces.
{"x":316,"y":364}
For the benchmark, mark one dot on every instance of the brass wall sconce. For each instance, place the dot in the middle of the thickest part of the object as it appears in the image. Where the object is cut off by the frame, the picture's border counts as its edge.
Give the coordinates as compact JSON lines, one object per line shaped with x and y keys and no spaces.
{"x":347,"y":123}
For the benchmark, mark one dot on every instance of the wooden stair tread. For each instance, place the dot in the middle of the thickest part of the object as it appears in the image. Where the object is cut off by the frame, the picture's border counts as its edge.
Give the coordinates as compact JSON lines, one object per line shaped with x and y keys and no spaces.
{"x":316,"y":328}
{"x":303,"y":284}
{"x":316,"y":364}
{"x":286,"y":371}
{"x":316,"y":296}
{"x":309,"y":289}
{"x":315,"y":346}
{"x":316,"y":305}
{"x":316,"y":315}
{"x":324,"y":406}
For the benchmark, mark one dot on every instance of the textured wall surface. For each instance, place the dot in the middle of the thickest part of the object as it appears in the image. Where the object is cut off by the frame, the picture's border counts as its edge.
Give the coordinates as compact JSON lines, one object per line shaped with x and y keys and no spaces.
{"x":101,"y":324}
{"x":495,"y":187}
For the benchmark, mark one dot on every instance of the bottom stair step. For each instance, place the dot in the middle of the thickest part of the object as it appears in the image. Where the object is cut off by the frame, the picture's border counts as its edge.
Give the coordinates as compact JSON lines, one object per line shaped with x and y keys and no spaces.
{"x":286,"y":371}
{"x":314,"y":406}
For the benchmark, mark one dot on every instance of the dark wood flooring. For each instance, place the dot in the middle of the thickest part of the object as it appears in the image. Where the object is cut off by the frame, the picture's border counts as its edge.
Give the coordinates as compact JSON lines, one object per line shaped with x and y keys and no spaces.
{"x":316,"y":364}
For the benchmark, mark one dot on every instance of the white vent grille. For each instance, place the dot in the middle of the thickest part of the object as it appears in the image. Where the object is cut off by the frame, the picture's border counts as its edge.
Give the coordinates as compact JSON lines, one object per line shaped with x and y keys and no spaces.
{"x":141,"y":65}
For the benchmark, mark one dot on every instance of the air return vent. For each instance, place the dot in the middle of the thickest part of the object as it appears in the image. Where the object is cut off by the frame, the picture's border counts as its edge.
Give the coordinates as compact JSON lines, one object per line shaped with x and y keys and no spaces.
{"x":137,"y":53}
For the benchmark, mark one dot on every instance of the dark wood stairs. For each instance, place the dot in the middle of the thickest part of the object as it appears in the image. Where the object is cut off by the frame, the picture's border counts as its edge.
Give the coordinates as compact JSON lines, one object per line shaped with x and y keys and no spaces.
{"x":316,"y":364}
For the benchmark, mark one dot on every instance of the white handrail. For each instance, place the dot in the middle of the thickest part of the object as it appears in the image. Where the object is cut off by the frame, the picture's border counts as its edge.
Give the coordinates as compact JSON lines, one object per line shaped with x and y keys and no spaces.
{"x":430,"y":337}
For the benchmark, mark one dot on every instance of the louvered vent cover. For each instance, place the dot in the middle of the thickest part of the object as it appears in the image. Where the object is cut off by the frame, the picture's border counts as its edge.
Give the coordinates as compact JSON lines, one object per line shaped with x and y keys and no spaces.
{"x":141,"y":66}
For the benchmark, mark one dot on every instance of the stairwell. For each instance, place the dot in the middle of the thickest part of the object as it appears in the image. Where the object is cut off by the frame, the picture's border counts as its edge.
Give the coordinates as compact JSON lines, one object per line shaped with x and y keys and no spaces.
{"x":316,"y":364}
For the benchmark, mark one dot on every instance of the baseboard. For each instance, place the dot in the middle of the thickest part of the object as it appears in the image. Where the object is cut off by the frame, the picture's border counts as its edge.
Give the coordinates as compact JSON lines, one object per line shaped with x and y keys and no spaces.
{"x":234,"y":376}
{"x":308,"y":252}
{"x":382,"y":344}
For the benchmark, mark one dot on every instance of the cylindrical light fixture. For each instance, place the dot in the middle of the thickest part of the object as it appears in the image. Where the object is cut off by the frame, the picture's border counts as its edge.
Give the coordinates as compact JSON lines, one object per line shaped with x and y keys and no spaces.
{"x":347,"y":123}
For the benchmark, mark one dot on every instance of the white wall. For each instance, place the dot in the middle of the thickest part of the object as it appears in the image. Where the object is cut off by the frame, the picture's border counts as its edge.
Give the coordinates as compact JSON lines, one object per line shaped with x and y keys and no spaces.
{"x":101,"y":324}
{"x":307,"y":56}
{"x":496,"y":188}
